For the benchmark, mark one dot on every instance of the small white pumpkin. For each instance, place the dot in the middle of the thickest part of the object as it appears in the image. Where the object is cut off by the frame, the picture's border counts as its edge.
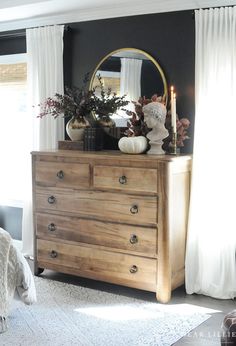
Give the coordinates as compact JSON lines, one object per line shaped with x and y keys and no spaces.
{"x":133,"y":145}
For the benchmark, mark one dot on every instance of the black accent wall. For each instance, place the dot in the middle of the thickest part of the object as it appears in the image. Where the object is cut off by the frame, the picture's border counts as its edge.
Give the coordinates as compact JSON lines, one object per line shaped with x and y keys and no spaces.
{"x":168,"y":37}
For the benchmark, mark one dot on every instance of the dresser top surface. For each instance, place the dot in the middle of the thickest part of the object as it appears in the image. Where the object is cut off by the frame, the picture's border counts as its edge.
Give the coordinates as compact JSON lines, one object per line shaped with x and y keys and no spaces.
{"x":112,"y":154}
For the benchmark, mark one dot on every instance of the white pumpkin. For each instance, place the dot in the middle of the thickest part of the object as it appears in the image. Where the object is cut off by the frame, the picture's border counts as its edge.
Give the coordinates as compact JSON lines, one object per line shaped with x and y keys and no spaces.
{"x":133,"y":145}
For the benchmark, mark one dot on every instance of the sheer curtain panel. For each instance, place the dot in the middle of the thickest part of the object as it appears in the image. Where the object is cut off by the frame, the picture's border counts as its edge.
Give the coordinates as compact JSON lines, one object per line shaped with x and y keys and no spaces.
{"x":45,"y":78}
{"x":211,"y":245}
{"x":130,"y":78}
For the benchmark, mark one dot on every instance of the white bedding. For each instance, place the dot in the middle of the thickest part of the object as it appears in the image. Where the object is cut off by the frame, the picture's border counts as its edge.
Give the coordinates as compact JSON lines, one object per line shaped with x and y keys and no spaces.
{"x":15,"y":277}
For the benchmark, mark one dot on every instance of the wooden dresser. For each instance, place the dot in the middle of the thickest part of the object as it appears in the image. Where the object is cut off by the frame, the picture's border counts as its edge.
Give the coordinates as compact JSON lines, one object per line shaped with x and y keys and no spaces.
{"x":113,"y":217}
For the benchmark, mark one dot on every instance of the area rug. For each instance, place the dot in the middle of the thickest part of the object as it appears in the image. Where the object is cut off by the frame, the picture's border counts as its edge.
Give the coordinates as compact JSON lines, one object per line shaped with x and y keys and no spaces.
{"x":67,"y":315}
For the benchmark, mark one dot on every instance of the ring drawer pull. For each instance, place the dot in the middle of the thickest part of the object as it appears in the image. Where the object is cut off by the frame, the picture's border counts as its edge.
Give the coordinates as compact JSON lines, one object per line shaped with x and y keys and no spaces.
{"x":51,"y":199}
{"x":52,"y":227}
{"x":123,"y":179}
{"x":134,"y":209}
{"x":60,"y":174}
{"x":133,"y":269}
{"x":53,"y":254}
{"x":133,"y":239}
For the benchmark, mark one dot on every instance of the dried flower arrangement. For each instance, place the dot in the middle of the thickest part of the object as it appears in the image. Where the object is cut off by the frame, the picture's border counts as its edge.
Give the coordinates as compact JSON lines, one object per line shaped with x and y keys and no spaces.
{"x":105,"y":102}
{"x":136,"y":124}
{"x":137,"y":127}
{"x":182,"y":126}
{"x":75,"y":103}
{"x":78,"y":102}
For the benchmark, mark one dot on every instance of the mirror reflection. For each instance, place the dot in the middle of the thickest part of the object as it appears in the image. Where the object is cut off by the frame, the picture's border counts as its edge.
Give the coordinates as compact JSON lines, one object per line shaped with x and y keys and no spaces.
{"x":132,"y":72}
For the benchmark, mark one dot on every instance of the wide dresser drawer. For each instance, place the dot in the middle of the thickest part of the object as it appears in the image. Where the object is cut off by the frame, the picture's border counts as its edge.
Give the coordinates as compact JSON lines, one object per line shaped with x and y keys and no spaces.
{"x":125,"y":178}
{"x":133,"y":271}
{"x":62,"y":174}
{"x":107,"y":206}
{"x":117,"y":236}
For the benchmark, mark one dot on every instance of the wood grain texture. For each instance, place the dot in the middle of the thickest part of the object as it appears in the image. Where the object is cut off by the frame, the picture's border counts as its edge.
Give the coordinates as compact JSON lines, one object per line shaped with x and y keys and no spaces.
{"x":110,"y":157}
{"x":61,"y":174}
{"x":101,"y":229}
{"x":126,"y":179}
{"x":133,"y":239}
{"x":163,"y":292}
{"x":104,"y":205}
{"x":101,"y":265}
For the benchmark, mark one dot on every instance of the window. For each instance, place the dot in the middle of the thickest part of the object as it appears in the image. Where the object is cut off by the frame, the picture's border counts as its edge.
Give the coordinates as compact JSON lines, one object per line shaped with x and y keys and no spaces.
{"x":111,"y":79}
{"x":14,"y":127}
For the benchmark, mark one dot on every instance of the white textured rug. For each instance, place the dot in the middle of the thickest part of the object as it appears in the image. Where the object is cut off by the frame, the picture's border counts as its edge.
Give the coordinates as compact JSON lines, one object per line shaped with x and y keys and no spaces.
{"x":72,"y":315}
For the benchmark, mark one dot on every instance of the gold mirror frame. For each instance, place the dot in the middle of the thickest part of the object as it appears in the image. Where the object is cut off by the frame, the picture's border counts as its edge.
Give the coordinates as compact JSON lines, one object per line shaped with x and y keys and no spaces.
{"x":137,"y":51}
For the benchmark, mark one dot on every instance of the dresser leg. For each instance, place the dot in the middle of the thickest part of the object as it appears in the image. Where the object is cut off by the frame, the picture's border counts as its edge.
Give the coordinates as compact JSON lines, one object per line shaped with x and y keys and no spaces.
{"x":163,"y":297}
{"x":38,"y":271}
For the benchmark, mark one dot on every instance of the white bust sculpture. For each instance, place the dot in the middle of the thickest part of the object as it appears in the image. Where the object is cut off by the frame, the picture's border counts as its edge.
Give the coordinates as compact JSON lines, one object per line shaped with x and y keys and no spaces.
{"x":155,"y":116}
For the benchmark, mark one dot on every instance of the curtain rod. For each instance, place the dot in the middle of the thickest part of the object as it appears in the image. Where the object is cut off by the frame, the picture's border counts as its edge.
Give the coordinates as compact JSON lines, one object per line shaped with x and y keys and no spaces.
{"x":209,"y":8}
{"x":9,"y":34}
{"x":21,"y":33}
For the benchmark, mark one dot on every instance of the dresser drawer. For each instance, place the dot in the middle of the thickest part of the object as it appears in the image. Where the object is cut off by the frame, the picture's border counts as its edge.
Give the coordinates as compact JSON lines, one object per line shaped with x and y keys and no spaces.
{"x":104,"y":205}
{"x":93,"y":263}
{"x":61,"y":174}
{"x":118,"y":236}
{"x":125,"y":179}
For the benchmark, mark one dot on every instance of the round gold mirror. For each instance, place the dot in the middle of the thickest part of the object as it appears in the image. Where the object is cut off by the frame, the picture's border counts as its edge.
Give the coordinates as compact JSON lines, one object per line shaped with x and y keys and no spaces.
{"x":132,"y":72}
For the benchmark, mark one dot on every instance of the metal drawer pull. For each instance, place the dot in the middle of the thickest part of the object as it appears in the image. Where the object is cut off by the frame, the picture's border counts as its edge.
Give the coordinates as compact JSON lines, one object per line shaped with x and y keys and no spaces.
{"x":60,"y":174}
{"x":53,"y":254}
{"x":51,"y":199}
{"x":52,"y":227}
{"x":133,"y":269}
{"x":123,"y":179}
{"x":134,"y":209}
{"x":133,"y":239}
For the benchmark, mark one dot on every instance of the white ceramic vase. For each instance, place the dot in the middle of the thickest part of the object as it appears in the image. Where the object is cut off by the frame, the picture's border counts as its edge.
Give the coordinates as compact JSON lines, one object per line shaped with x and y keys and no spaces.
{"x":106,"y":123}
{"x":75,"y":128}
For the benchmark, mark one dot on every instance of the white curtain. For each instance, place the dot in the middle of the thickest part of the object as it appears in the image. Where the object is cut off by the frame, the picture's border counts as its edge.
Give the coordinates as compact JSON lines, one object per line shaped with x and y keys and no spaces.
{"x":45,"y":78}
{"x":211,"y":245}
{"x":130,"y":78}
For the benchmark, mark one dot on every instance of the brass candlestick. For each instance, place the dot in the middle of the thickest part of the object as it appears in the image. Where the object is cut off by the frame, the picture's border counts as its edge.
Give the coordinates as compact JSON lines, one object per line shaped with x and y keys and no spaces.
{"x":173,"y":144}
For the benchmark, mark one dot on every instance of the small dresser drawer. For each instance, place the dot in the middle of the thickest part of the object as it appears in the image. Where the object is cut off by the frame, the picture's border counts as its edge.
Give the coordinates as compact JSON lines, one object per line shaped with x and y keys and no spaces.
{"x":118,"y":236}
{"x":103,"y":205}
{"x":61,"y":174}
{"x":94,"y":263}
{"x":125,"y":179}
